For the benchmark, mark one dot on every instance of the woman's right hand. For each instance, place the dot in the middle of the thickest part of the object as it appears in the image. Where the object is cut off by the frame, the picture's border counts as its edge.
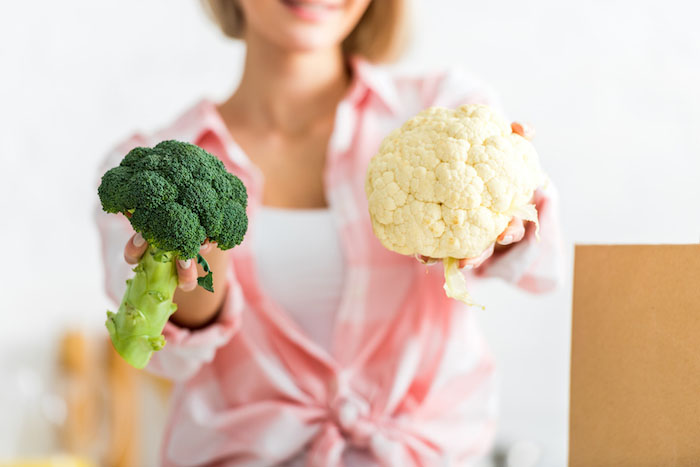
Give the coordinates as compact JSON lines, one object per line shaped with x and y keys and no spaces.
{"x":186,"y":269}
{"x":196,"y":307}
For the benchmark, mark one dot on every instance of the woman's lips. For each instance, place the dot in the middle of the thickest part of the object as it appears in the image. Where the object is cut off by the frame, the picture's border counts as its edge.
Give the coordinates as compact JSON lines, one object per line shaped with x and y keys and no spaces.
{"x":311,"y":10}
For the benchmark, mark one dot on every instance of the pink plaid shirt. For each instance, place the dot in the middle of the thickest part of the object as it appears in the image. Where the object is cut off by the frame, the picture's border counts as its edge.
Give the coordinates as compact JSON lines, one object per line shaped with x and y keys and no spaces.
{"x":409,"y":380}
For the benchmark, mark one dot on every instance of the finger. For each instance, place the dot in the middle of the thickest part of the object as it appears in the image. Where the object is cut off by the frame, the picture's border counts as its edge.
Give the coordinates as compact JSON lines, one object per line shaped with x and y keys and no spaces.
{"x":135,"y":248}
{"x":206,"y":246}
{"x":471,"y":263}
{"x":426,"y":260}
{"x":186,"y":274}
{"x":513,"y":233}
{"x":525,"y":130}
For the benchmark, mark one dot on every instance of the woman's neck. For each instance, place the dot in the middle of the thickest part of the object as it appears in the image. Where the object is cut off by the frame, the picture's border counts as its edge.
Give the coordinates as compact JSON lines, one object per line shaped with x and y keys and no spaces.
{"x":288,"y":91}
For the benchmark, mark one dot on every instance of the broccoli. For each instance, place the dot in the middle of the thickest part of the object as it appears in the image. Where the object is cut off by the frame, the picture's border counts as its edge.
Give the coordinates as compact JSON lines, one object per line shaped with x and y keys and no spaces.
{"x":176,"y":195}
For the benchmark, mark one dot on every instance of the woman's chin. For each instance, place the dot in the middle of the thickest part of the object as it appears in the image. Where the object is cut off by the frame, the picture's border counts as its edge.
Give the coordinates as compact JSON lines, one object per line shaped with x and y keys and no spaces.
{"x":307,"y":42}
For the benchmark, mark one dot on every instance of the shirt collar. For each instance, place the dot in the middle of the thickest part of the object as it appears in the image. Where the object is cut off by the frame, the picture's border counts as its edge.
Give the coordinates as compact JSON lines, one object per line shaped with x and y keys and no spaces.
{"x":375,"y":80}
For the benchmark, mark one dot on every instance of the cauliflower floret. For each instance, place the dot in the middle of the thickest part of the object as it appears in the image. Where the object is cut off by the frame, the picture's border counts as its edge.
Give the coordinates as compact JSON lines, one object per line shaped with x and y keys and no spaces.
{"x":447,"y":182}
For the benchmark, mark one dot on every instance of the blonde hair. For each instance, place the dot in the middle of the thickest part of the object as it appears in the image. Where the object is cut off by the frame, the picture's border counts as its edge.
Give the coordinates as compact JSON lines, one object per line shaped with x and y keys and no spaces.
{"x":379,"y":36}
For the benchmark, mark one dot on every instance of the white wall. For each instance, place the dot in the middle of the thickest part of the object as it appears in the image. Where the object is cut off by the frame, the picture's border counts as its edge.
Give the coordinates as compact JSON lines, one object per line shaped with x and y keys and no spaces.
{"x":611,"y":86}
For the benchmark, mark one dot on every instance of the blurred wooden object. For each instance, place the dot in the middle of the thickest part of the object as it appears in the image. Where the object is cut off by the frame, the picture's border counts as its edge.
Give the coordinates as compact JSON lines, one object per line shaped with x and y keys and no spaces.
{"x":124,"y":408}
{"x":107,"y":403}
{"x":80,"y":392}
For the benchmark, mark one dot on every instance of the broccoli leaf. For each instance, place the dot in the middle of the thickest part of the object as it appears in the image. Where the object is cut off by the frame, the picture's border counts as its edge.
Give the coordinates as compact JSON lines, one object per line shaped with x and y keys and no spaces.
{"x":207,"y":281}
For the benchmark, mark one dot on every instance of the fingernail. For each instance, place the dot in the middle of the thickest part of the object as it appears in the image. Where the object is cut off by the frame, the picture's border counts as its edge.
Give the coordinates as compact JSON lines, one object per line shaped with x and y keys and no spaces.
{"x":184,"y":263}
{"x":468,"y":266}
{"x":508,"y":239}
{"x":138,"y":240}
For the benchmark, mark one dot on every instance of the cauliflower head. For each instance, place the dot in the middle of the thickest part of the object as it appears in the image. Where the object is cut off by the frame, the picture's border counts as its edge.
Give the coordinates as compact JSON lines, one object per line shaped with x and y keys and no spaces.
{"x":448,"y":181}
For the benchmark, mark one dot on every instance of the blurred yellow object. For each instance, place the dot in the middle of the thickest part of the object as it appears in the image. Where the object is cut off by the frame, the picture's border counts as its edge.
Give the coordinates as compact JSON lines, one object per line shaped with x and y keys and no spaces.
{"x":56,"y":461}
{"x":109,"y":408}
{"x":123,"y":409}
{"x":80,"y":392}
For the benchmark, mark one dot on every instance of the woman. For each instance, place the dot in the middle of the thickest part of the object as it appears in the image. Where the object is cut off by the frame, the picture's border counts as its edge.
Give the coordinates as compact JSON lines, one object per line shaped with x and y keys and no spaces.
{"x":320,"y":347}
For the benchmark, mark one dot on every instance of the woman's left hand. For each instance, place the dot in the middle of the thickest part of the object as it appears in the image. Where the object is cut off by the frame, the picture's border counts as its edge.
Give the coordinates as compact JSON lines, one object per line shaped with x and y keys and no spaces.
{"x":514,"y":232}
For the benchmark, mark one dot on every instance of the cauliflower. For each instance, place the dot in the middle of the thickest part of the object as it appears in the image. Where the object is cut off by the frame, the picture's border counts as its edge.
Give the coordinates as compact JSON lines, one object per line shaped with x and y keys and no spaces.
{"x":447,"y":183}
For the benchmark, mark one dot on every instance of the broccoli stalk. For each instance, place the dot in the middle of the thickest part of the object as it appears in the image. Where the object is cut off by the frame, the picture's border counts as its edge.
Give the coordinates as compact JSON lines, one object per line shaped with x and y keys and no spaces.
{"x":147,"y":304}
{"x":176,"y":195}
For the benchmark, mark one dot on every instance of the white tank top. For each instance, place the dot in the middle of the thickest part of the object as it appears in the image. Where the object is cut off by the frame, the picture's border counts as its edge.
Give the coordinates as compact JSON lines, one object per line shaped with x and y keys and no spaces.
{"x":300,"y":265}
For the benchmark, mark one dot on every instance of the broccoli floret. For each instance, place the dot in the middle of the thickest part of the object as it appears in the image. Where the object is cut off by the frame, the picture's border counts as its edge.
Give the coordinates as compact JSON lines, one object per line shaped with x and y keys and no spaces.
{"x":176,"y":195}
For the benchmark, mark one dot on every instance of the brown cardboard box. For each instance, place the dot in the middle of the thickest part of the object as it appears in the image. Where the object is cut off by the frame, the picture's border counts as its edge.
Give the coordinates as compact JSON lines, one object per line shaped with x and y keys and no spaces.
{"x":635,"y":357}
